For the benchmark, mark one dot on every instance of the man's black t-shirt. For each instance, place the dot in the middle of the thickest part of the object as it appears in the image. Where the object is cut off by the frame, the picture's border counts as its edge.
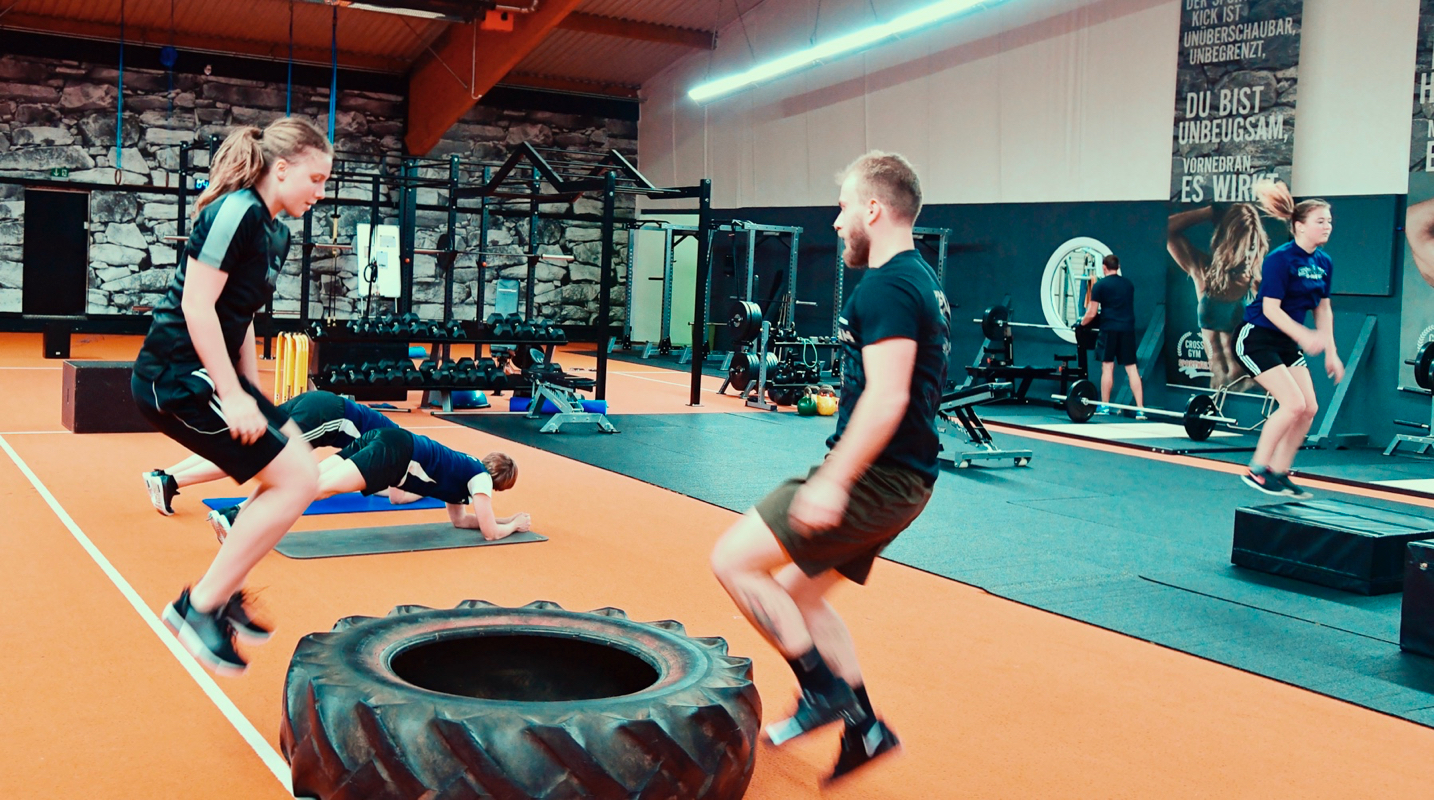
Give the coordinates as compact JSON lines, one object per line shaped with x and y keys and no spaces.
{"x":1116,"y":295}
{"x":235,"y":234}
{"x":899,"y":300}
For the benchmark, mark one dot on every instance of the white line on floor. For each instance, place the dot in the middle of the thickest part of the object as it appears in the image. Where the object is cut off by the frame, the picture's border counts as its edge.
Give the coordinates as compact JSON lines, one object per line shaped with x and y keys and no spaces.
{"x":669,"y":383}
{"x":246,"y":729}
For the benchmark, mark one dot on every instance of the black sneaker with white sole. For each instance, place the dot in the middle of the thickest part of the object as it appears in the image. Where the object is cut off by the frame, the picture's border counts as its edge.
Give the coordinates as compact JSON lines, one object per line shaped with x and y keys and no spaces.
{"x":1293,"y":490}
{"x":162,"y":490}
{"x":222,"y":521}
{"x":817,"y":710}
{"x":1263,"y":480}
{"x":861,"y":747}
{"x":248,"y":629}
{"x":207,"y":637}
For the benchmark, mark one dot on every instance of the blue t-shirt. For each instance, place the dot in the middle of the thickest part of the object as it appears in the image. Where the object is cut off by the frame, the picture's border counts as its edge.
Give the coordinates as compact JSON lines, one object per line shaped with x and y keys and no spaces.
{"x":1116,"y":296}
{"x":440,"y":472}
{"x":1300,"y":280}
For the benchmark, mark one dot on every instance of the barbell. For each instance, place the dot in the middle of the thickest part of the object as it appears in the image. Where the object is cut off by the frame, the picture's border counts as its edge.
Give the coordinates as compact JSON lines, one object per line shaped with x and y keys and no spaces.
{"x":1199,"y":418}
{"x":997,"y":319}
{"x":1423,"y":365}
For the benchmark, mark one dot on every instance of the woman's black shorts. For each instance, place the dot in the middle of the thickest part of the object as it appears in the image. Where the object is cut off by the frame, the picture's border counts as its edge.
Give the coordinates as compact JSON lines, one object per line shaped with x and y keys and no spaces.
{"x":382,"y":457}
{"x":182,"y":405}
{"x":1261,"y":349}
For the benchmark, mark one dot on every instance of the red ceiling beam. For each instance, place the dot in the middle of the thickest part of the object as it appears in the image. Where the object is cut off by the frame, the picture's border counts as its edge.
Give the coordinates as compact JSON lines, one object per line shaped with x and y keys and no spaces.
{"x":641,"y":31}
{"x":464,"y":64}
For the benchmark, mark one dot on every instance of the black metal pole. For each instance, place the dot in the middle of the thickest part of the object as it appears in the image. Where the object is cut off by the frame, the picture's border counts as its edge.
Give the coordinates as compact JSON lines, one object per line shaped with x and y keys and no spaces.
{"x":481,"y":289}
{"x":183,"y":194}
{"x":699,"y":303}
{"x":306,"y":259}
{"x":407,"y":226}
{"x":532,"y":247}
{"x":605,"y":280}
{"x":449,"y":260}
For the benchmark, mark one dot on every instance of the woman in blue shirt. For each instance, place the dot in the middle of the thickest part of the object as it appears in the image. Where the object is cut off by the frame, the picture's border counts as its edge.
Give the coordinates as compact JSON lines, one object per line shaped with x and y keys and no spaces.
{"x":1274,"y":341}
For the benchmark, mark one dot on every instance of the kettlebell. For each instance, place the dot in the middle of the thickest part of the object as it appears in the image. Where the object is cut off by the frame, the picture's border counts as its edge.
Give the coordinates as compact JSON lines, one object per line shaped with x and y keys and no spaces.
{"x":807,"y":405}
{"x":826,"y":405}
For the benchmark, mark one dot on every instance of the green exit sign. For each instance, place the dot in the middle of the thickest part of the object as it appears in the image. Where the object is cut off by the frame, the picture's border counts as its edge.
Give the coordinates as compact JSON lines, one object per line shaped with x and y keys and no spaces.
{"x":59,"y":172}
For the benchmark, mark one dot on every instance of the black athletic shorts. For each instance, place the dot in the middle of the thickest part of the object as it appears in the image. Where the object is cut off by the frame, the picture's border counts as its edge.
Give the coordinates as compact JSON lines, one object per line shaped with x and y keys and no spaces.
{"x":382,"y":457}
{"x":882,"y":503}
{"x":320,"y":415}
{"x":1117,"y":346}
{"x":182,"y":405}
{"x":1261,"y":349}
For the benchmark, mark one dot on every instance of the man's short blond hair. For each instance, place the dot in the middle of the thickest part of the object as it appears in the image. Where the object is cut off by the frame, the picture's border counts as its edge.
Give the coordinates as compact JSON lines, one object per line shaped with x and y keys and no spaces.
{"x":890,"y":178}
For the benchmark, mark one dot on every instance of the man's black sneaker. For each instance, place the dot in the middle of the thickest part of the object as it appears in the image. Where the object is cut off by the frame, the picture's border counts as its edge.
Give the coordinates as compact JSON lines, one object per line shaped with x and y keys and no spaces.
{"x":815,"y":711}
{"x":207,"y":637}
{"x":222,"y":521}
{"x":162,"y":489}
{"x":861,"y":748}
{"x":1265,"y":481}
{"x":1291,"y":489}
{"x":248,"y":629}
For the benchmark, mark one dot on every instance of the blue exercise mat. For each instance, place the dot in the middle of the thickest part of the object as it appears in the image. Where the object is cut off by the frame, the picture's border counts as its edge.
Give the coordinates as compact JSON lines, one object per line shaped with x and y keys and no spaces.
{"x":347,"y":503}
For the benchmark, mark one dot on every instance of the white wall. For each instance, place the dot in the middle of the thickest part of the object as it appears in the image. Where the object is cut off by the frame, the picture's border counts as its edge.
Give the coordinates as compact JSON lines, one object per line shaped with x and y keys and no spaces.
{"x":1027,"y":101}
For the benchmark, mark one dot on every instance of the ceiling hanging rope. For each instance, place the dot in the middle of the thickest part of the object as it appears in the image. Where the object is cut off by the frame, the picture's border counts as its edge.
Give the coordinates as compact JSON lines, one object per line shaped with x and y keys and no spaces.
{"x":119,"y":105}
{"x":168,"y":57}
{"x":289,"y":91}
{"x":334,"y":78}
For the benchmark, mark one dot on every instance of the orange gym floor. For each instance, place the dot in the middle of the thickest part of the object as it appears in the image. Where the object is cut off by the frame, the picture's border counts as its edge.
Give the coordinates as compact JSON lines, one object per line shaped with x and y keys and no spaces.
{"x":992,"y":699}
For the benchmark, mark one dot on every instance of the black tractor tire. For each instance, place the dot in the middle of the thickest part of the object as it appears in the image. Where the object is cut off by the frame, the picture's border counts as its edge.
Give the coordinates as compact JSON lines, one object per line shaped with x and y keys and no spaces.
{"x":419,"y":704}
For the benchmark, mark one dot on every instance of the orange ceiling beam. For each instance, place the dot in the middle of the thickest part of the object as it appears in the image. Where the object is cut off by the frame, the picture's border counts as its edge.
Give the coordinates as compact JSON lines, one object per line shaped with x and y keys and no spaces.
{"x":464,"y":64}
{"x":641,"y":31}
{"x":155,"y":37}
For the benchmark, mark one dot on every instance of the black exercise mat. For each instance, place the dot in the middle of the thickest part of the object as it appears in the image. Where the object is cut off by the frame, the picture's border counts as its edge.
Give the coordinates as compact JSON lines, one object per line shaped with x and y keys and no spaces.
{"x":390,"y":539}
{"x":1131,"y":544}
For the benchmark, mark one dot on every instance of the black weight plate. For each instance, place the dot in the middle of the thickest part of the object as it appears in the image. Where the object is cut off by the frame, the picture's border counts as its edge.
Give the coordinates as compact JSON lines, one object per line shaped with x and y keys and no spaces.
{"x":993,"y":322}
{"x":1424,"y":366}
{"x":745,"y":321}
{"x":1080,"y":403}
{"x":1197,"y":411}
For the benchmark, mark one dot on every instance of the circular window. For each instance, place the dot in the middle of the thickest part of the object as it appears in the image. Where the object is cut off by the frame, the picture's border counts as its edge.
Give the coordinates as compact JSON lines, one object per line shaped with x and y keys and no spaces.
{"x":1066,"y":281}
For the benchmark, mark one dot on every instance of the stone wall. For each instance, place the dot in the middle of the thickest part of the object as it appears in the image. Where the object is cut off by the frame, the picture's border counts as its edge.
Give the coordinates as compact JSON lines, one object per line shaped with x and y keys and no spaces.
{"x":57,"y":113}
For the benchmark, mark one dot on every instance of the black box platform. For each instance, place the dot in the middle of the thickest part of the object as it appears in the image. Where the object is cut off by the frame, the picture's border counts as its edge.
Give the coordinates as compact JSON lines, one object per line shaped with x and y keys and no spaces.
{"x":1332,"y":543}
{"x":97,"y":398}
{"x":1416,"y":615}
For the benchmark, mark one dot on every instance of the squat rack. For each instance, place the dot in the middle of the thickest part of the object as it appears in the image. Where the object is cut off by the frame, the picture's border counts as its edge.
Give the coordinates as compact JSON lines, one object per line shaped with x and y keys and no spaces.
{"x":555,"y":175}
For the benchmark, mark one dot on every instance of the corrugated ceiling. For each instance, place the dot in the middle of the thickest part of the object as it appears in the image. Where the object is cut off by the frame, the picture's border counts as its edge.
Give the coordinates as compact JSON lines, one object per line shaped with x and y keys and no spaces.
{"x":370,"y":40}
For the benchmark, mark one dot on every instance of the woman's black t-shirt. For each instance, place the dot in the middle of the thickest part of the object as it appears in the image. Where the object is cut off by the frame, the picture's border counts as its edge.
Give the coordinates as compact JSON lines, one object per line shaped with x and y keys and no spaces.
{"x":235,"y":234}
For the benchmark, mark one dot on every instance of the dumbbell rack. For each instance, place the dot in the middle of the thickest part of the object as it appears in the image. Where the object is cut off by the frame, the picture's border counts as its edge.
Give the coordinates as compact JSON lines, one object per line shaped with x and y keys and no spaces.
{"x":475,"y":334}
{"x":1423,"y":364}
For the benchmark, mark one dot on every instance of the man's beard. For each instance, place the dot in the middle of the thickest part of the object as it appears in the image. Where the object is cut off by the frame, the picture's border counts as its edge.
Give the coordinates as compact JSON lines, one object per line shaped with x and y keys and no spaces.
{"x":857,"y":254}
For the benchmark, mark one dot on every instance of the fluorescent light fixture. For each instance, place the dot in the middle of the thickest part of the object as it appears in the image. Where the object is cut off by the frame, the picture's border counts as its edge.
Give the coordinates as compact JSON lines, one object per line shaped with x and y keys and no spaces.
{"x":937,"y":12}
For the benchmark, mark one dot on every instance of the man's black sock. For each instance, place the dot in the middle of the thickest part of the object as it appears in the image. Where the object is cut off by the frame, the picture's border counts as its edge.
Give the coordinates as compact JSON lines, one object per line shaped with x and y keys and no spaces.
{"x":813,"y":673}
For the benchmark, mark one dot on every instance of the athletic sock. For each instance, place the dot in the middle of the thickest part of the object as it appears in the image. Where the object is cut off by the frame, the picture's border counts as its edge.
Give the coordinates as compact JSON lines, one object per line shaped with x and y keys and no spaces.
{"x":813,"y":673}
{"x":865,"y":700}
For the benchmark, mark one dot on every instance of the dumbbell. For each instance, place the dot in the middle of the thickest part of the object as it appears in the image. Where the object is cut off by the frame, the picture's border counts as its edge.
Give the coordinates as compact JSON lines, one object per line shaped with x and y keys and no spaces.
{"x":463,"y":372}
{"x":426,"y":371}
{"x":499,"y":328}
{"x":412,"y":376}
{"x":339,"y":376}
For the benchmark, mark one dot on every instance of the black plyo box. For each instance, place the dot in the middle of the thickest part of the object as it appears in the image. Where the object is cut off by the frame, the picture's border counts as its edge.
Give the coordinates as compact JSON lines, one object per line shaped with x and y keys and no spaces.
{"x":1416,"y":614}
{"x":1332,"y":543}
{"x":96,"y":398}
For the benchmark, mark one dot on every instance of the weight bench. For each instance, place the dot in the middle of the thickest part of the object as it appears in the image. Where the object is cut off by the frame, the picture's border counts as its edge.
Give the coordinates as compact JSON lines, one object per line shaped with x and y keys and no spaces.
{"x":959,"y":406}
{"x":562,"y":389}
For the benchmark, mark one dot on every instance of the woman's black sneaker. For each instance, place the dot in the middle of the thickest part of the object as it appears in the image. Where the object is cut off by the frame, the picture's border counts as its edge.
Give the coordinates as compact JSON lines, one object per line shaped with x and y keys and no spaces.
{"x":207,"y":637}
{"x":249,"y":630}
{"x":162,"y":489}
{"x":1293,"y":490}
{"x":222,"y":521}
{"x":1265,"y":481}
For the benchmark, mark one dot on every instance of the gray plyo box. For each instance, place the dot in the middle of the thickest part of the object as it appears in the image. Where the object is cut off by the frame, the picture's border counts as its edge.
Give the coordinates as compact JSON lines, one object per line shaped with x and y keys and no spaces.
{"x":390,"y":539}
